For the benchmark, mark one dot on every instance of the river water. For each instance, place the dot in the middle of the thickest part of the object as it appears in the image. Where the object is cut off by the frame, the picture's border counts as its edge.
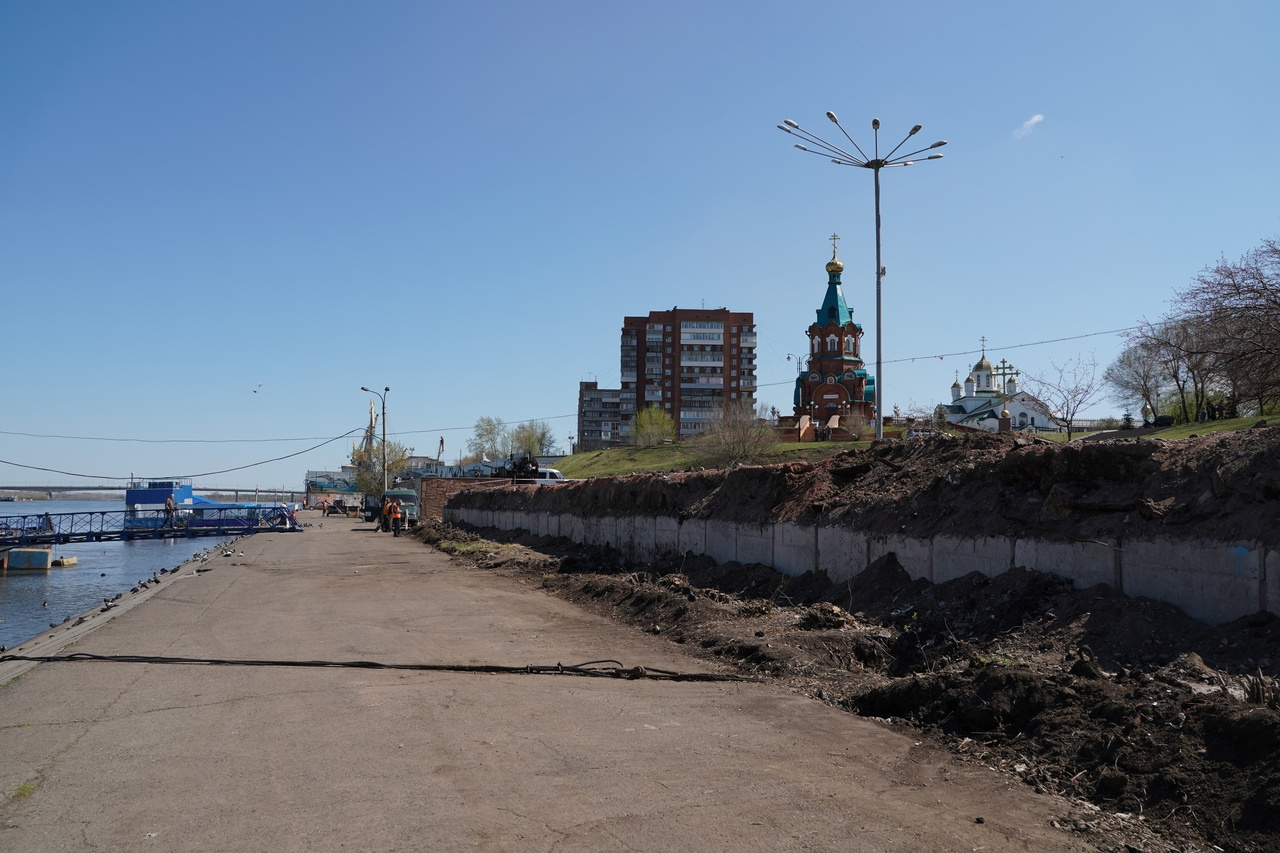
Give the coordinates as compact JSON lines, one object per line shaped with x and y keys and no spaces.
{"x":31,"y":600}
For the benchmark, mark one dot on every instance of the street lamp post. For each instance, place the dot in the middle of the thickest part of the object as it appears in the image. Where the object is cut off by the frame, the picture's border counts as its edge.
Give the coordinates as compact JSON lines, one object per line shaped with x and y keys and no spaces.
{"x":383,"y":397}
{"x":843,"y":158}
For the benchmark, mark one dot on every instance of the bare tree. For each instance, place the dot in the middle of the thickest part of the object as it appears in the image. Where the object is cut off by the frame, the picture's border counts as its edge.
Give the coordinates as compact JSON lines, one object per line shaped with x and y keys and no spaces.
{"x":737,"y":435}
{"x":1226,"y":327}
{"x":1240,"y":302}
{"x":1135,"y":377}
{"x":1068,"y":389}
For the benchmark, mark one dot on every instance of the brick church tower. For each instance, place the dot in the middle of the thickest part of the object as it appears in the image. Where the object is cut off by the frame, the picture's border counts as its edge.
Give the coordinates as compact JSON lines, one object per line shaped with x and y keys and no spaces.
{"x":835,"y":382}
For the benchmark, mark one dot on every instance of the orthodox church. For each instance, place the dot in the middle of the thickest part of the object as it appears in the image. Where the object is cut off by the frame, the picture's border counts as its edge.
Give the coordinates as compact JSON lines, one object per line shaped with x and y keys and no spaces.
{"x":834,"y":382}
{"x":990,"y":400}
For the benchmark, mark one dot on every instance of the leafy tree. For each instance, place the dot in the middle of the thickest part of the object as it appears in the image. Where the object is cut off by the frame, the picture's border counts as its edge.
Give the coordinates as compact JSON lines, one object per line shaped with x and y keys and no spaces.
{"x":532,"y":437}
{"x":738,"y":435}
{"x":369,"y":466}
{"x":651,"y":425}
{"x":491,"y":439}
{"x":1068,"y":389}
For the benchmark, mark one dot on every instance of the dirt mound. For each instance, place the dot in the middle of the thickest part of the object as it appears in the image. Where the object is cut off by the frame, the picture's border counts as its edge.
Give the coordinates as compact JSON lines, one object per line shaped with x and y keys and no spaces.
{"x":1224,"y":486}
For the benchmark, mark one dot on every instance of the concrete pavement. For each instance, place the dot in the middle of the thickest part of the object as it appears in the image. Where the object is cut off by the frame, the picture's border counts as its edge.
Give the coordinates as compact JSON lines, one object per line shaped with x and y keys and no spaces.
{"x":149,"y":756}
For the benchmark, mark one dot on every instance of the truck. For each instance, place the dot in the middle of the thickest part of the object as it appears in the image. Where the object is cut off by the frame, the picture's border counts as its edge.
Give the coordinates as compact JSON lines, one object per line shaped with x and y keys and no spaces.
{"x":408,"y":504}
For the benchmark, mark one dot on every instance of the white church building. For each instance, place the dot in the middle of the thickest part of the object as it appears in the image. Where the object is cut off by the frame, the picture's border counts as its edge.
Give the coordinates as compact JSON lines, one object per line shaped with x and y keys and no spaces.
{"x":990,"y":395}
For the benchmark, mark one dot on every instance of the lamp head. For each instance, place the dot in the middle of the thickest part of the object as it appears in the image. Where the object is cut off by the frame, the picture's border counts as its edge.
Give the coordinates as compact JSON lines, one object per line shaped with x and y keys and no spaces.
{"x":875,"y":124}
{"x":939,"y":143}
{"x":833,"y":118}
{"x":915,"y":130}
{"x":362,"y":388}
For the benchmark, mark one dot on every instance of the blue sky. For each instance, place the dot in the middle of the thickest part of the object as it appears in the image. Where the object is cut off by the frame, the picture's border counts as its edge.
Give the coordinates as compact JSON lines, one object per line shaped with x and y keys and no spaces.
{"x":219,"y":220}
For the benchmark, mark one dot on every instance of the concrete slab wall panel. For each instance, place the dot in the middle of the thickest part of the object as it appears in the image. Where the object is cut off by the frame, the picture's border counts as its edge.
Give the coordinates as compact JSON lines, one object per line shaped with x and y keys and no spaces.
{"x":721,"y":540}
{"x":755,"y":544}
{"x":912,"y":554}
{"x":1086,"y":563}
{"x":842,"y":552}
{"x":666,"y":535}
{"x":795,"y":548}
{"x":954,"y":557}
{"x":644,"y":538}
{"x":693,"y":535}
{"x":1211,"y":583}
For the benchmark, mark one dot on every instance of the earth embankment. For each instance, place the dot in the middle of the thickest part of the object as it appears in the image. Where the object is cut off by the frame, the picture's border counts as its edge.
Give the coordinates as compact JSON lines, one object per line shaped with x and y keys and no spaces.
{"x":1223,"y":487}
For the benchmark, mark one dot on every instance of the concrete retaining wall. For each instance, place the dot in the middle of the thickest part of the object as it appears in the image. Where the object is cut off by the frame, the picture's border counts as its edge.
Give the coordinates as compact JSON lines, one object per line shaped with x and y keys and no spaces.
{"x":1213,"y":582}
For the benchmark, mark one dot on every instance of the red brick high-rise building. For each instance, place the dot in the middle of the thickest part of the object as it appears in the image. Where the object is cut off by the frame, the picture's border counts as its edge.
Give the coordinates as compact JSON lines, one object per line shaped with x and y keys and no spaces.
{"x":692,"y":363}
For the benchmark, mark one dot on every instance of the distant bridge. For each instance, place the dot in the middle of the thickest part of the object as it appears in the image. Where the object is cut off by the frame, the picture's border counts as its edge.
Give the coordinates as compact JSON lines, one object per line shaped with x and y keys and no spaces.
{"x":281,"y":495}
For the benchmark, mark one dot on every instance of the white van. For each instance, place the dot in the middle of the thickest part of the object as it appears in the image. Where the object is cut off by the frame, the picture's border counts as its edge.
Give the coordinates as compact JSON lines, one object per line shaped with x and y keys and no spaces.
{"x":546,"y":477}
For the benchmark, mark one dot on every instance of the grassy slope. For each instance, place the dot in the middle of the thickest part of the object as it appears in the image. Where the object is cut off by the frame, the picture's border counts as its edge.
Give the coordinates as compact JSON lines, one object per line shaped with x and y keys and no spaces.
{"x":680,"y":457}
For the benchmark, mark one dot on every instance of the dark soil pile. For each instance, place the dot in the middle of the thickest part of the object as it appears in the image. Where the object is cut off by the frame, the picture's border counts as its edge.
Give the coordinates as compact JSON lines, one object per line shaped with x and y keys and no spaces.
{"x":1224,"y":487}
{"x":1164,"y":731}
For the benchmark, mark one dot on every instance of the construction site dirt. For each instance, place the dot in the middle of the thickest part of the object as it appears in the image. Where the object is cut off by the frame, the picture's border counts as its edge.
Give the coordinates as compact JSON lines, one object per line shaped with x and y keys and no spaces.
{"x":1166,"y":730}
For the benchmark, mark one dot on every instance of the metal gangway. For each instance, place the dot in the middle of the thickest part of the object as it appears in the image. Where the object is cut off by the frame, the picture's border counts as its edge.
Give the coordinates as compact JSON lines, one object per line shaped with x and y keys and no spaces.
{"x":18,"y":531}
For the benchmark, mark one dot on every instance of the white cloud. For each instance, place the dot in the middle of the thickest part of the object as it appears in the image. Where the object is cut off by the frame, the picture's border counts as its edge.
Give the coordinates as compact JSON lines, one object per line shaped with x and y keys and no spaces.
{"x":1028,"y":125}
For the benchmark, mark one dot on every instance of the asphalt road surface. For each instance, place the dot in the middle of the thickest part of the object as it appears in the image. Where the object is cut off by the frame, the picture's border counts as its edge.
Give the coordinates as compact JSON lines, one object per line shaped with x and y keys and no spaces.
{"x":146,"y":755}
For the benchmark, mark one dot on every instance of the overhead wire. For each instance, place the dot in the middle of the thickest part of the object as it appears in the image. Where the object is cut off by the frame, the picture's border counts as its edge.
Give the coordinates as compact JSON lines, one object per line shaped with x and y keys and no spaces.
{"x":186,"y":476}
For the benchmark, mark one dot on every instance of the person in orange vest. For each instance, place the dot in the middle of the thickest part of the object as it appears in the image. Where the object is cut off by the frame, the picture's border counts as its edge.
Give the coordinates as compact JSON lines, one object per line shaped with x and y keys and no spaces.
{"x":395,"y":517}
{"x":386,"y":514}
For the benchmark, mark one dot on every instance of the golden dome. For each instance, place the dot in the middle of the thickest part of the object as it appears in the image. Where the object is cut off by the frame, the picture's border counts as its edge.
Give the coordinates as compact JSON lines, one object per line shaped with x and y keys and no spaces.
{"x":834,"y":265}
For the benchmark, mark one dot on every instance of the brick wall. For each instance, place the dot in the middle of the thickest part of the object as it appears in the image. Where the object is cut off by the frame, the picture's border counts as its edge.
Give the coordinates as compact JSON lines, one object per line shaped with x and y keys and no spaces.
{"x":434,"y":492}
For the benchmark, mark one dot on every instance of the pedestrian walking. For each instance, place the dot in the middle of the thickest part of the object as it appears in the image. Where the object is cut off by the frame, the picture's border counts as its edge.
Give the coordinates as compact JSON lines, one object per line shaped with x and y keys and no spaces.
{"x":169,"y":508}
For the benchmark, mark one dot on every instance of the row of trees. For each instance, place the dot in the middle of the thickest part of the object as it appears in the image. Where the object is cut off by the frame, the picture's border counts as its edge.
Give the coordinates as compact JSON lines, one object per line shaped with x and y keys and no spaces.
{"x":1218,"y":346}
{"x":493,"y":439}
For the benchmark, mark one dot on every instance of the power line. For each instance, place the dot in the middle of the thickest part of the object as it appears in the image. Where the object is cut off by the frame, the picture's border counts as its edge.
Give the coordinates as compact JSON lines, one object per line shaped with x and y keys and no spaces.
{"x":166,"y":440}
{"x":185,"y":476}
{"x":994,"y":348}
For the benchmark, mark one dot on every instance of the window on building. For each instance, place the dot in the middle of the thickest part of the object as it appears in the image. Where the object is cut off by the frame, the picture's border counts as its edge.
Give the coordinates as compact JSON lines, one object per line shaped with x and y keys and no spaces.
{"x":832,"y":344}
{"x":848,"y":345}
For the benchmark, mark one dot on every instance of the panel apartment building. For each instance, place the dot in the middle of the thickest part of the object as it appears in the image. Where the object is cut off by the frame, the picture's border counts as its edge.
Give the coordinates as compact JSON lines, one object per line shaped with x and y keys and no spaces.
{"x":691,"y":362}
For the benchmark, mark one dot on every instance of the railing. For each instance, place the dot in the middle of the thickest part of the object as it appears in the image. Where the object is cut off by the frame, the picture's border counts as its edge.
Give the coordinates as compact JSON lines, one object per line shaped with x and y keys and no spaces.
{"x":58,"y":528}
